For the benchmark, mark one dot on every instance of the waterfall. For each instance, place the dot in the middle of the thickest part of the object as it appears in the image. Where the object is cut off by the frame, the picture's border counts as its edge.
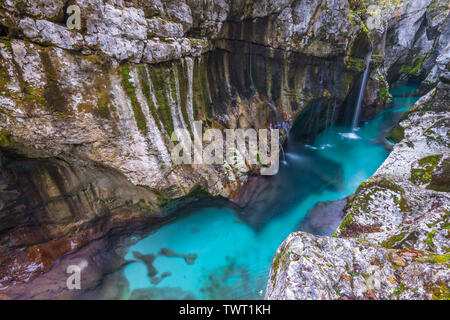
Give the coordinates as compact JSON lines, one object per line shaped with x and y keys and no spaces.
{"x":252,"y":84}
{"x":283,"y":161}
{"x":361,"y":92}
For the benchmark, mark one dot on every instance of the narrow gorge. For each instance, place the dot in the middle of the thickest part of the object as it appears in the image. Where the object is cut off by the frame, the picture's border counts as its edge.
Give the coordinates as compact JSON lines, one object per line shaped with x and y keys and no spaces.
{"x":359,"y":91}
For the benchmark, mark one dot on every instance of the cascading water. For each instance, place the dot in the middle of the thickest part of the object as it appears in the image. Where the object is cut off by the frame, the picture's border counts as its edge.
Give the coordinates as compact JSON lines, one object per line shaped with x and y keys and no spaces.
{"x":280,"y":124}
{"x":361,"y":92}
{"x":252,"y":84}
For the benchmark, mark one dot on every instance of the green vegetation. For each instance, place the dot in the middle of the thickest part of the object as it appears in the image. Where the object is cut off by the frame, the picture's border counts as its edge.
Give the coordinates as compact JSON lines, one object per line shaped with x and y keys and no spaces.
{"x":397,"y":134}
{"x":160,"y":83}
{"x":439,"y":290}
{"x":377,"y":59}
{"x":102,"y":109}
{"x":440,"y":177}
{"x":423,"y":175}
{"x":34,"y":95}
{"x":5,"y":141}
{"x":52,"y":94}
{"x":130,"y":89}
{"x":429,"y":240}
{"x":360,"y":205}
{"x":202,"y":105}
{"x":439,"y":258}
{"x":281,"y":257}
{"x":413,"y":66}
{"x":393,"y":240}
{"x":355,"y":64}
{"x":4,"y":76}
{"x":348,"y":220}
{"x":383,"y":94}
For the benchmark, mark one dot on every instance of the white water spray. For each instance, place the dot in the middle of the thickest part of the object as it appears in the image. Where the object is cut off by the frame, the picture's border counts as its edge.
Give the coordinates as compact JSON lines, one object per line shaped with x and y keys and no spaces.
{"x":361,"y":92}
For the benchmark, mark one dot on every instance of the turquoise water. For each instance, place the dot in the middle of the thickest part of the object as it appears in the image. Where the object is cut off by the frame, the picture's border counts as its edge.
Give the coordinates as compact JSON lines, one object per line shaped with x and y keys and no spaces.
{"x":234,"y":259}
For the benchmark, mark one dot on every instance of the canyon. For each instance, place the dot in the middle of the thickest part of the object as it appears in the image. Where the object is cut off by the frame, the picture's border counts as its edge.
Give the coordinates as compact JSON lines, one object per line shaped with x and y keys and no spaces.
{"x":86,"y":118}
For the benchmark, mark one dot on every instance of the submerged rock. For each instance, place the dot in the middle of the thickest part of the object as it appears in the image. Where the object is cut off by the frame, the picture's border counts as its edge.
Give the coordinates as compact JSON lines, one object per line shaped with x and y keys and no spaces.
{"x":148,"y":260}
{"x":189,"y":258}
{"x":157,"y":280}
{"x":324,"y":218}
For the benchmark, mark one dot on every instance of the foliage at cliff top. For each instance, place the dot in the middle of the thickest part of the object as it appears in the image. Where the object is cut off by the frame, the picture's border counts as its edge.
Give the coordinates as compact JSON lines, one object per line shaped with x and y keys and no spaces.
{"x":374,"y":7}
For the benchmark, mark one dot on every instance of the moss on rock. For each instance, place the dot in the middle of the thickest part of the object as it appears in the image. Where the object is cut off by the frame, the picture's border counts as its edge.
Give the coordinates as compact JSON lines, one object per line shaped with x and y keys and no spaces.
{"x":131,"y":92}
{"x":397,"y":134}
{"x":440,"y":177}
{"x":355,"y":64}
{"x":422,"y":174}
{"x":383,"y":94}
{"x":413,"y":66}
{"x":160,"y":81}
{"x":5,"y":141}
{"x":393,"y":240}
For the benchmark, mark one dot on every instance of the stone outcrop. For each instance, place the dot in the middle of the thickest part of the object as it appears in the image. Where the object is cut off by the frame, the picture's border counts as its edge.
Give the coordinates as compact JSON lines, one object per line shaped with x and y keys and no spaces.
{"x":394,"y":240}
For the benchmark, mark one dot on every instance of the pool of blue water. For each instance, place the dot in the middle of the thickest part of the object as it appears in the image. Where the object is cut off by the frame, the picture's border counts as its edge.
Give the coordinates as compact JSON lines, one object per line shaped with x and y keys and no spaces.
{"x":233,"y":259}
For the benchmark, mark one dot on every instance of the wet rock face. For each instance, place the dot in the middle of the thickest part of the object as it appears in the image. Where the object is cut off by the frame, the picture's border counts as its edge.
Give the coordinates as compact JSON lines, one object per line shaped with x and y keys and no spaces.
{"x":394,"y":240}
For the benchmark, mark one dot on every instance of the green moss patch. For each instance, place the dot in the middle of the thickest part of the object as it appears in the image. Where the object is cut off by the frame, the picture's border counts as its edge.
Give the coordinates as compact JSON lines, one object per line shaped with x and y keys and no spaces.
{"x":280,"y":258}
{"x":422,"y":174}
{"x":412,"y":67}
{"x":355,"y":64}
{"x":131,"y":92}
{"x":383,"y":94}
{"x":393,"y":240}
{"x":397,"y":134}
{"x":440,"y":177}
{"x":5,"y":141}
{"x":160,"y":80}
{"x":439,"y":291}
